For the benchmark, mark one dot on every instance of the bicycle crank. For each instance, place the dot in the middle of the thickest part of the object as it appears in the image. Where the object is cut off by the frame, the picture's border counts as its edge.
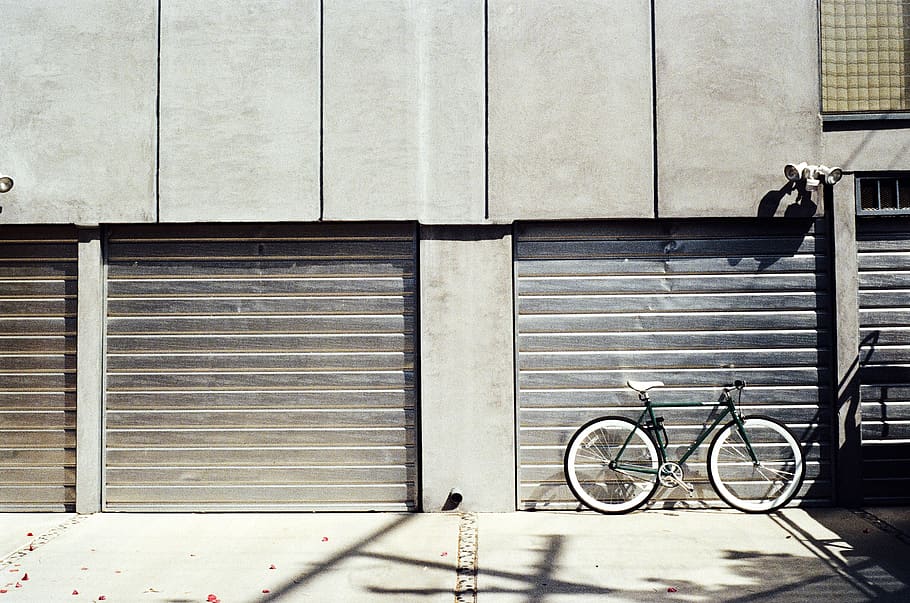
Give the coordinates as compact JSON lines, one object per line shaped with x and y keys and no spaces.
{"x":671,"y":476}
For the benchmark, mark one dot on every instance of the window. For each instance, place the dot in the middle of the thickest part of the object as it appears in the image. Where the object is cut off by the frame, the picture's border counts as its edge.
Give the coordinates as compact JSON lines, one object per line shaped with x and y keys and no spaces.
{"x":883,"y":194}
{"x":865,"y":52}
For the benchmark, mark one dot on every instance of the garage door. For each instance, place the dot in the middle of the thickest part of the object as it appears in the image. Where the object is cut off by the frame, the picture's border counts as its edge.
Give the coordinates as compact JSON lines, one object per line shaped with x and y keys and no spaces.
{"x":695,"y":305}
{"x":883,"y":248}
{"x":38,"y":270}
{"x":260,"y":368}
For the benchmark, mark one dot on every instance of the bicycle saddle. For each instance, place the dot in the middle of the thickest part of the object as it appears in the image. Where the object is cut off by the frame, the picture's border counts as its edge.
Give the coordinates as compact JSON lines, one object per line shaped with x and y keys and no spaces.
{"x":643,"y":386}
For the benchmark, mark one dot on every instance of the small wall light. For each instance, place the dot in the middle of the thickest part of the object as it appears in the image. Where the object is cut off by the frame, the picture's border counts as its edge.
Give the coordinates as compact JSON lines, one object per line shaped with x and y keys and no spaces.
{"x":813,"y":175}
{"x":831,"y":175}
{"x":794,"y":171}
{"x":6,"y":183}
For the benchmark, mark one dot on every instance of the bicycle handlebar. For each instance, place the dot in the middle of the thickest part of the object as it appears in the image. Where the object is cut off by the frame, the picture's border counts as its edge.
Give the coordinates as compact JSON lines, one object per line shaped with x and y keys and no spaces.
{"x":738,"y":384}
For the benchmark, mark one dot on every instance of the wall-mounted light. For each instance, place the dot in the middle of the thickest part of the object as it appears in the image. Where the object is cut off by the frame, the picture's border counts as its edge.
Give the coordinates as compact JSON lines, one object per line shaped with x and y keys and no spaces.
{"x":831,"y":175}
{"x":794,"y":171}
{"x":6,"y":183}
{"x":813,"y":175}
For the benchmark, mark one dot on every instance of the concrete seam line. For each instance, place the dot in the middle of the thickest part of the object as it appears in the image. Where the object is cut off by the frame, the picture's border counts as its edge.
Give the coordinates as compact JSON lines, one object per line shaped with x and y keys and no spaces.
{"x":41,"y":540}
{"x":466,"y":569}
{"x":882,"y":525}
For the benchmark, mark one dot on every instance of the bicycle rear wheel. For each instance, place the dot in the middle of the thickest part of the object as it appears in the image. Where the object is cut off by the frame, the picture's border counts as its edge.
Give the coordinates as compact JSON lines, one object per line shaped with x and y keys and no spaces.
{"x":594,"y":478}
{"x":765,"y":484}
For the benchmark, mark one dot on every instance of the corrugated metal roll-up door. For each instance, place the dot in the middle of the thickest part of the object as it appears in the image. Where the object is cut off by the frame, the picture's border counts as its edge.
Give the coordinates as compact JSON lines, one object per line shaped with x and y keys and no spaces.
{"x":883,"y":247}
{"x":38,"y":278}
{"x":262,"y":367}
{"x":693,"y":304}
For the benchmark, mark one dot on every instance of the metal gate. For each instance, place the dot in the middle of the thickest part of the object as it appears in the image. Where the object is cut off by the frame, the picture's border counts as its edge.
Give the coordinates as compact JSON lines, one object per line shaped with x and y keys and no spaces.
{"x":693,"y":304}
{"x":265,"y":367}
{"x":883,"y":247}
{"x":38,"y":272}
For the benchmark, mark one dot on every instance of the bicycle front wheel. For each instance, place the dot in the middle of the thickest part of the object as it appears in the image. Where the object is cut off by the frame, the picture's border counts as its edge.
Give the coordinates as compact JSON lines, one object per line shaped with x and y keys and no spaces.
{"x":765,"y":483}
{"x":611,"y":465}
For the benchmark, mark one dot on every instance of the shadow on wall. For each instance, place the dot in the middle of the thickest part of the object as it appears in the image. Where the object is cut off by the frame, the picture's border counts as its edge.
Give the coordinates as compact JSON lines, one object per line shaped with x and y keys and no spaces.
{"x":801,"y":211}
{"x":802,"y":206}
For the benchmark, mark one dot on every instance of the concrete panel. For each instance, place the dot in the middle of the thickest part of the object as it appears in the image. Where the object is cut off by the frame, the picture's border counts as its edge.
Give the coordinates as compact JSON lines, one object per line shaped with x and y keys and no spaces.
{"x":570,"y":111}
{"x":240,"y":110}
{"x":404,"y":110}
{"x":89,"y":392}
{"x":867,"y":147}
{"x":77,"y":110}
{"x":848,"y":463}
{"x":466,"y":367}
{"x":737,"y":99}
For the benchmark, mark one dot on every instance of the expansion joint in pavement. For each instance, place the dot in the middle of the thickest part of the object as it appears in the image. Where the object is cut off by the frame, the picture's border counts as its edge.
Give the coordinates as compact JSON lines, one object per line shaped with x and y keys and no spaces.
{"x":882,"y":525}
{"x":466,"y":570}
{"x":41,"y":540}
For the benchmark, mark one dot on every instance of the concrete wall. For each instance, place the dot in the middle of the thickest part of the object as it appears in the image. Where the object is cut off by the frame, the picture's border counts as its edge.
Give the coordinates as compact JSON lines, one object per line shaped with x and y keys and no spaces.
{"x":464,"y":115}
{"x":404,"y":110}
{"x":859,"y":149}
{"x":737,"y":99}
{"x":570,"y":109}
{"x":77,"y":110}
{"x":467,"y":391}
{"x":239,"y":111}
{"x":443,"y":112}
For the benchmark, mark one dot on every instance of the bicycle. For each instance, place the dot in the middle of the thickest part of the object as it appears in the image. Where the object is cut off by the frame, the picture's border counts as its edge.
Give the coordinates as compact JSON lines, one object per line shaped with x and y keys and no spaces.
{"x":614,"y":465}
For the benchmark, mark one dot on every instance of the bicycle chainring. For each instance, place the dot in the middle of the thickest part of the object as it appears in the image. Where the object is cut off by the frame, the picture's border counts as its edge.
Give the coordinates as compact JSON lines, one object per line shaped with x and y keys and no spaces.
{"x":670,"y":475}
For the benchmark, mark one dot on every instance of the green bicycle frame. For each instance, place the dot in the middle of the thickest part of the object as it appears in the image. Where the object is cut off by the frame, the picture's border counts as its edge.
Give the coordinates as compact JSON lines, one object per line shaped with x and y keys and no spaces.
{"x":648,"y":413}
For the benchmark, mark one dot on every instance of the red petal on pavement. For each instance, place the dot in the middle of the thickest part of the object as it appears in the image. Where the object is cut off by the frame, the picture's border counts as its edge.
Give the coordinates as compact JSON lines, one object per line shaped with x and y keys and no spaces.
{"x":671,"y":590}
{"x":212,"y":599}
{"x":265,"y":591}
{"x":18,"y":585}
{"x":75,"y":592}
{"x":3,"y":591}
{"x":272,"y":566}
{"x":29,"y":534}
{"x":444,"y":554}
{"x":325,"y":538}
{"x":31,"y":548}
{"x":102,"y":598}
{"x":25,"y":577}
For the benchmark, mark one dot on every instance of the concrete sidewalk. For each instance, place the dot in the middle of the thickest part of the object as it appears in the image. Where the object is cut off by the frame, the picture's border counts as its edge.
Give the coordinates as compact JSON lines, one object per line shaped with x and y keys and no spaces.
{"x":654,"y":555}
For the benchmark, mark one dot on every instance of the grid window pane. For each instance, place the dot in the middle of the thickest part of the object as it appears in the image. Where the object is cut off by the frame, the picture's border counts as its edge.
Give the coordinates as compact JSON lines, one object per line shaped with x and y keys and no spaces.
{"x":865,"y":53}
{"x":883,"y":194}
{"x":903,"y":189}
{"x":868,"y":194}
{"x":887,"y":194}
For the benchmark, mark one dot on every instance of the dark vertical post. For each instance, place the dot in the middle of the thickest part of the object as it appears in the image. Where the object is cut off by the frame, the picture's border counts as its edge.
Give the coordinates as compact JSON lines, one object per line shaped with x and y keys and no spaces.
{"x":846,"y":417}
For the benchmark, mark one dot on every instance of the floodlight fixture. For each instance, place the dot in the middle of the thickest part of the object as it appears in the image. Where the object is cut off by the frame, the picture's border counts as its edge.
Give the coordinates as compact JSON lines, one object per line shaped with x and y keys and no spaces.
{"x":831,"y":175}
{"x":794,"y":171}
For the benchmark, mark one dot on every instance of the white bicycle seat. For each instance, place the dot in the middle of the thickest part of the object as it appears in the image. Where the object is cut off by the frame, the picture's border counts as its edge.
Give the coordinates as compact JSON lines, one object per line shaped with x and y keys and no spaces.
{"x":643,"y":386}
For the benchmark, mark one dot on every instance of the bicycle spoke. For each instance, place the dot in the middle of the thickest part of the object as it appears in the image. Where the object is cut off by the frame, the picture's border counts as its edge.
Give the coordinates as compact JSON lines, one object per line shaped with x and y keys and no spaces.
{"x":759,"y":484}
{"x":771,"y":472}
{"x":592,"y":451}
